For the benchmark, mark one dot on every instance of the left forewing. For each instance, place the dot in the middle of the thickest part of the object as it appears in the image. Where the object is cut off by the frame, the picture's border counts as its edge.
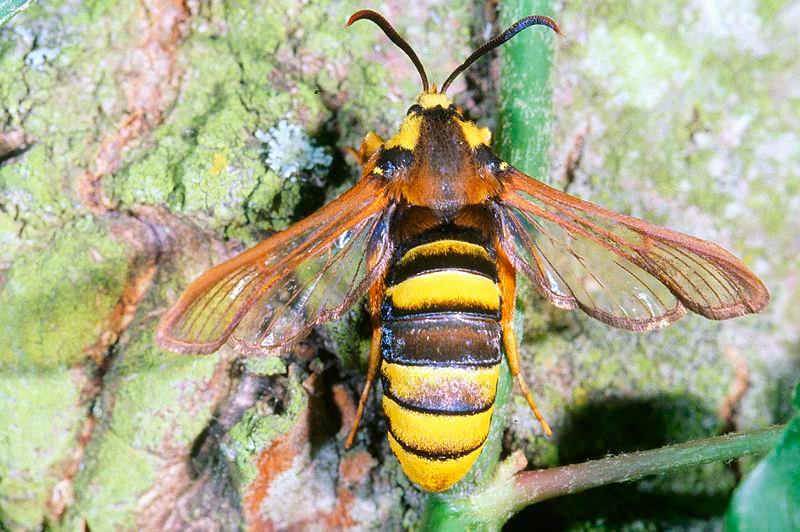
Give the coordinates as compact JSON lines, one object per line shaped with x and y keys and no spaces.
{"x":271,"y":295}
{"x":619,"y":269}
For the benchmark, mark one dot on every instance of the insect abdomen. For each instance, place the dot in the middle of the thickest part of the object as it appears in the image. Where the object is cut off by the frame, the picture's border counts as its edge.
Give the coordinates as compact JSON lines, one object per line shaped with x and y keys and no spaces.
{"x":440,"y":344}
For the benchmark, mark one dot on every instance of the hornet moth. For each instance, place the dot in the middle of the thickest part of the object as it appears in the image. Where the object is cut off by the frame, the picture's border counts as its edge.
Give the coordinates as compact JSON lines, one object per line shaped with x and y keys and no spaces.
{"x":434,"y":233}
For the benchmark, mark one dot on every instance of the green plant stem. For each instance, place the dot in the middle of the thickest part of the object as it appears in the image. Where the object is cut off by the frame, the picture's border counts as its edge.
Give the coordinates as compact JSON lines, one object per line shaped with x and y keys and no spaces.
{"x":526,"y":107}
{"x":515,"y":492}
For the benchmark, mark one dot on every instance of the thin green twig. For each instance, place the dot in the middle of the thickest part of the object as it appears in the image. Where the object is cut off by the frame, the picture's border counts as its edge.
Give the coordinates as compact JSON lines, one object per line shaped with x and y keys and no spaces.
{"x":9,"y":8}
{"x":516,"y":491}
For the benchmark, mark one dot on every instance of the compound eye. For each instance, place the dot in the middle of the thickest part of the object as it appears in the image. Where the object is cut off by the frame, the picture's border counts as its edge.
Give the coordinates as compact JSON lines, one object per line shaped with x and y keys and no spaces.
{"x":415,"y":109}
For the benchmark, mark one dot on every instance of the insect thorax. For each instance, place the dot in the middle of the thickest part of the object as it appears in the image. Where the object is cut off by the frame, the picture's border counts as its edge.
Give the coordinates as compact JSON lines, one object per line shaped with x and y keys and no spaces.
{"x":438,"y":159}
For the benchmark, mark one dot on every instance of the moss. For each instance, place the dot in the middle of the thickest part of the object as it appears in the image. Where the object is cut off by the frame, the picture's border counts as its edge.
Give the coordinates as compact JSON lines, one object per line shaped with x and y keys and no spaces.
{"x":56,"y":298}
{"x":153,"y":403}
{"x":255,"y":431}
{"x":40,"y":415}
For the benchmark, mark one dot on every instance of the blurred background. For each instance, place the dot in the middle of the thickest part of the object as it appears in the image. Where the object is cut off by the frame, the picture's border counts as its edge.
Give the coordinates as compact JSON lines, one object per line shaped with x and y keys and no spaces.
{"x":143,"y":142}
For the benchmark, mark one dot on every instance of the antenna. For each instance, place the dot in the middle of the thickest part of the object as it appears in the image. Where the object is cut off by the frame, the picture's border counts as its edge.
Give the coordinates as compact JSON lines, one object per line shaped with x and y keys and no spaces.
{"x":390,"y":32}
{"x":496,"y":41}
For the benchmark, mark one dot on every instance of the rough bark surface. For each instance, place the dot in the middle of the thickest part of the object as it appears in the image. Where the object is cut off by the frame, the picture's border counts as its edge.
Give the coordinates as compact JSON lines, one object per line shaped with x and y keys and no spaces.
{"x":142,"y":142}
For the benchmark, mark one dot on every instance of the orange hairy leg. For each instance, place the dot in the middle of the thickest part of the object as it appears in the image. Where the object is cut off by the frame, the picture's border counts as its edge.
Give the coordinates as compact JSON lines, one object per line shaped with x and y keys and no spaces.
{"x":508,"y":289}
{"x":372,"y":141}
{"x":374,"y":364}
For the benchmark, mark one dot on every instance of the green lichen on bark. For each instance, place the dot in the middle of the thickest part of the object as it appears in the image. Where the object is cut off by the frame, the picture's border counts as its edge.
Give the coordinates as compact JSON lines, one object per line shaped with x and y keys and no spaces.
{"x":237,"y":72}
{"x":256,"y":429}
{"x":245,"y":73}
{"x":153,"y":407}
{"x":9,"y":8}
{"x":60,"y":100}
{"x":40,"y":416}
{"x":46,"y":320}
{"x":46,"y":325}
{"x":150,"y":409}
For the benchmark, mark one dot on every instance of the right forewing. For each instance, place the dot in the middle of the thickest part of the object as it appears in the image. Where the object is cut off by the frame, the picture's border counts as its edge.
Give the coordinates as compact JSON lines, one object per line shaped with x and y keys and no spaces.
{"x":621,"y":270}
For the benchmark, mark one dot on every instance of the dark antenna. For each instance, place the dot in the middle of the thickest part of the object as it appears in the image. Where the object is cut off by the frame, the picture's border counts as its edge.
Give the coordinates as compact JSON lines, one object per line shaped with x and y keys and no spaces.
{"x":489,"y":45}
{"x":390,"y":32}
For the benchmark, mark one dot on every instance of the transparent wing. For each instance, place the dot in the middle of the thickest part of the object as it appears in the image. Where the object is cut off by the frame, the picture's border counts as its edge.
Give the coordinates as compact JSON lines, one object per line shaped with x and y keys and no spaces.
{"x":307,"y":274}
{"x":320,"y":289}
{"x":619,"y":269}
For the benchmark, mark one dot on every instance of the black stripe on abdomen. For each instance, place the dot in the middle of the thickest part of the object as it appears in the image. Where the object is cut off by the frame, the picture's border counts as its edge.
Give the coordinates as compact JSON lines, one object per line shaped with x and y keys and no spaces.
{"x":444,"y":339}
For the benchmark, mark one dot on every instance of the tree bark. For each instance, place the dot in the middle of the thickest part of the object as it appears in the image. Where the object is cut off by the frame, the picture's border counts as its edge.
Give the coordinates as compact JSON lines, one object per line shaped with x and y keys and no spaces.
{"x":143,"y":142}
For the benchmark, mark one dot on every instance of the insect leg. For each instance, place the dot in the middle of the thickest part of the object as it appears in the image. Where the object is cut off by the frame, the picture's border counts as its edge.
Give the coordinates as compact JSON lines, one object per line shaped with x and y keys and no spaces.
{"x":374,"y":364}
{"x":372,"y":141}
{"x":508,"y":288}
{"x":372,"y":371}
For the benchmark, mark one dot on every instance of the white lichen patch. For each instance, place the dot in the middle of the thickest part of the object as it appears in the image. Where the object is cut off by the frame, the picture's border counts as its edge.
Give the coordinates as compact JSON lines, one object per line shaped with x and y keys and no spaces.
{"x":293,"y":155}
{"x":39,"y":57}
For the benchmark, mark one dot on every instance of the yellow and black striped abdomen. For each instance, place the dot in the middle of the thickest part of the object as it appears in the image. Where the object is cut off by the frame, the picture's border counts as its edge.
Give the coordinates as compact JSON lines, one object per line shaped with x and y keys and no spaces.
{"x":440,"y":344}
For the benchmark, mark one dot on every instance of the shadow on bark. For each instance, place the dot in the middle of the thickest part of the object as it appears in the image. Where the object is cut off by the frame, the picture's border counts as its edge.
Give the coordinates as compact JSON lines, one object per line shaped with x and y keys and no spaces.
{"x":614,"y":425}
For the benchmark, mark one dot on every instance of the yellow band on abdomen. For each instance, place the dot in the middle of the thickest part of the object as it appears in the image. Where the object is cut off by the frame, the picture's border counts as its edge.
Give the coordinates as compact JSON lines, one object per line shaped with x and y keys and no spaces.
{"x":439,"y":248}
{"x":451,"y":289}
{"x":437,"y":433}
{"x":431,"y":473}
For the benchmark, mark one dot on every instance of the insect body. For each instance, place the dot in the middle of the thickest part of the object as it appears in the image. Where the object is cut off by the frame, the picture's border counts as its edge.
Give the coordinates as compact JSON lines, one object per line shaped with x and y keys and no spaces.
{"x":441,"y":350}
{"x":435,"y":233}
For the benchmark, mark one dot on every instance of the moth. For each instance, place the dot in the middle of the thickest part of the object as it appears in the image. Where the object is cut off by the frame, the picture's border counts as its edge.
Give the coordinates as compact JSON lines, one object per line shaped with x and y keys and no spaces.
{"x":434,"y":234}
